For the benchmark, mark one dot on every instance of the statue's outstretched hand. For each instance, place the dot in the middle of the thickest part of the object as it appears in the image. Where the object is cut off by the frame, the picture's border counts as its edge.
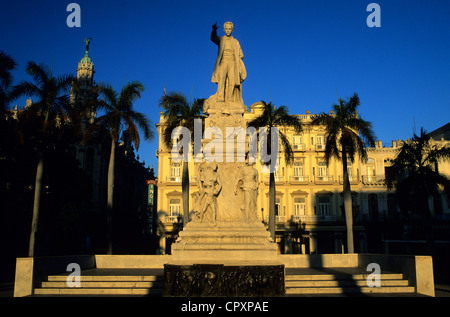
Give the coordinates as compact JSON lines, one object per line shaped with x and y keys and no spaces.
{"x":215,"y":26}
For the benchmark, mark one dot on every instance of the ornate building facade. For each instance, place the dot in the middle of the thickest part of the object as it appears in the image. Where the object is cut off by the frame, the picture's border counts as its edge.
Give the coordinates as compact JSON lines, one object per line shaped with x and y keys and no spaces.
{"x":309,"y":198}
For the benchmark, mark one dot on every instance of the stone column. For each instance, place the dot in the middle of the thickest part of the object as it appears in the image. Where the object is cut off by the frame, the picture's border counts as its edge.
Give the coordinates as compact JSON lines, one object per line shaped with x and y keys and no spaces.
{"x":313,"y":243}
{"x":287,"y":243}
{"x":338,"y":243}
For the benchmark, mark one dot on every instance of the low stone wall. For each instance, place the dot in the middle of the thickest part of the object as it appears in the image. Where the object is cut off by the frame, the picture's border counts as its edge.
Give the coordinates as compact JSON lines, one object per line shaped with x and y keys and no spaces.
{"x":132,"y":261}
{"x":318,"y":260}
{"x":417,"y":269}
{"x":31,"y":271}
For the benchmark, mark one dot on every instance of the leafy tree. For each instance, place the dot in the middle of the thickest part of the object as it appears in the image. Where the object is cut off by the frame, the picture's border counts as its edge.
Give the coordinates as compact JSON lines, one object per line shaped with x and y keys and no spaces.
{"x":52,"y":106}
{"x":119,"y":117}
{"x":415,"y":175}
{"x":346,"y":136}
{"x":180,"y":113}
{"x":271,"y":118}
{"x":7,"y":64}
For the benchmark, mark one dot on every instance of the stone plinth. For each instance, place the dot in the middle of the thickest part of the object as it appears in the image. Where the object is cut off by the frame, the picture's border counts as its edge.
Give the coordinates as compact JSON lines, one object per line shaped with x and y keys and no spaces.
{"x":222,"y":280}
{"x":237,"y":241}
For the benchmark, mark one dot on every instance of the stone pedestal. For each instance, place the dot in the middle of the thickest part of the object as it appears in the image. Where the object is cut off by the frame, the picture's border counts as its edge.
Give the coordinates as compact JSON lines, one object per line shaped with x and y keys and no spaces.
{"x":225,"y":241}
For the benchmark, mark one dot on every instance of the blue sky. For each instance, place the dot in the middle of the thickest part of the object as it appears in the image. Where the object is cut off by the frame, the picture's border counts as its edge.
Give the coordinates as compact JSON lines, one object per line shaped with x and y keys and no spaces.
{"x":298,"y":52}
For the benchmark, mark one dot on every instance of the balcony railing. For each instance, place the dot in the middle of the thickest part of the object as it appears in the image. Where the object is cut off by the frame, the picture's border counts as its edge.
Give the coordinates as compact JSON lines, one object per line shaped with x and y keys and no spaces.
{"x":173,"y":179}
{"x":372,"y":180}
{"x":320,"y":147}
{"x":313,"y":219}
{"x":304,"y":179}
{"x":172,"y":219}
{"x":327,"y":179}
{"x":354,"y":180}
{"x":278,"y":179}
{"x":278,"y":219}
{"x":299,"y":147}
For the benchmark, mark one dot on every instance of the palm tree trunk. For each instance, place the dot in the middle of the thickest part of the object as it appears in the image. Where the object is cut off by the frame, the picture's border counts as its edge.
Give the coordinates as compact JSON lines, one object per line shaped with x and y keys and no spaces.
{"x":110,"y":203}
{"x":348,"y":204}
{"x":185,"y":192}
{"x":37,"y":202}
{"x":272,"y":207}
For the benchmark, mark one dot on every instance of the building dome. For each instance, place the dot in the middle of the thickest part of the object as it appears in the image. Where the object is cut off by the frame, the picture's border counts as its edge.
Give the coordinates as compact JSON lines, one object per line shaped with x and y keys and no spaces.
{"x":86,"y":59}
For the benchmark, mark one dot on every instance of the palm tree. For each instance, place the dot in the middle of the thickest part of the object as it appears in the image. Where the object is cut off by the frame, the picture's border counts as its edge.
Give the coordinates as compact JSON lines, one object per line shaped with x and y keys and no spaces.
{"x":273,"y":117}
{"x":120,"y":116}
{"x":346,"y":136}
{"x":53,"y":104}
{"x":415,"y":175}
{"x":7,"y":64}
{"x":179,"y":112}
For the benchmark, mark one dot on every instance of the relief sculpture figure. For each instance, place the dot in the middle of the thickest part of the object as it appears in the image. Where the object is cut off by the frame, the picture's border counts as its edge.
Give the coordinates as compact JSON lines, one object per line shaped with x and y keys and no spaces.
{"x":209,"y":188}
{"x":248,"y":179}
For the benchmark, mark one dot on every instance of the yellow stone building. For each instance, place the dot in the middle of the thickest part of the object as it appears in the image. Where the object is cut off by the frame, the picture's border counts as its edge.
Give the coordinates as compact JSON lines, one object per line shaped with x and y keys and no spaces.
{"x":309,"y":201}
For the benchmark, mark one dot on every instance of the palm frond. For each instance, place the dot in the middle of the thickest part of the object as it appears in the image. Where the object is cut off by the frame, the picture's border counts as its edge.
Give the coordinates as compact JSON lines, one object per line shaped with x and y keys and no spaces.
{"x":173,"y":104}
{"x":130,"y":93}
{"x":93,"y":127}
{"x":321,"y":119}
{"x":279,"y":117}
{"x":331,"y":146}
{"x":364,"y":128}
{"x":40,"y":73}
{"x":25,"y":88}
{"x":64,"y":83}
{"x":108,"y":93}
{"x":287,"y":149}
{"x":133,"y":132}
{"x":7,"y":64}
{"x":143,"y":124}
{"x":291,"y":121}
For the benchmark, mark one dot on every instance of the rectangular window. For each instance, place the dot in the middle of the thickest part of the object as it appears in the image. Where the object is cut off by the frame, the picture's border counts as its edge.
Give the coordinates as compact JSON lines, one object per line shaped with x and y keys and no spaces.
{"x":392,"y":204}
{"x":320,"y":144}
{"x":324,"y":206}
{"x":298,"y":168}
{"x":349,"y":169}
{"x":174,"y":209}
{"x":280,"y":213}
{"x":299,"y":207}
{"x":279,"y":174}
{"x":297,"y":142}
{"x":277,"y":207}
{"x":175,"y":172}
{"x":323,"y":171}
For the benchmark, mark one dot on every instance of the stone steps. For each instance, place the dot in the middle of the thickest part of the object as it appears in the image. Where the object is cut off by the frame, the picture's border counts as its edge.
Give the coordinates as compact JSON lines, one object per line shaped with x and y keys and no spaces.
{"x":304,"y":284}
{"x":129,"y":282}
{"x":103,"y":285}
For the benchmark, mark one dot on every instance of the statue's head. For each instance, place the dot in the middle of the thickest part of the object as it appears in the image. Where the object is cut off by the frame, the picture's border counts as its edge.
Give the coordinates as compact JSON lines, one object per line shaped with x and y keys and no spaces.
{"x":228,"y":28}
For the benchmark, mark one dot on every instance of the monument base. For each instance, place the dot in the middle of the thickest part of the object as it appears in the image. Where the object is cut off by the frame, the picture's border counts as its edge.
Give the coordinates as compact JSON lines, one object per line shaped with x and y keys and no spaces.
{"x":225,"y":241}
{"x":222,"y":280}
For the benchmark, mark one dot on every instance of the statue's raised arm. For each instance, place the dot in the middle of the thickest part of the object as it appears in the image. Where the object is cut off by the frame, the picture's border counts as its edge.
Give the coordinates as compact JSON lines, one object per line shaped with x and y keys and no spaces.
{"x":214,"y":36}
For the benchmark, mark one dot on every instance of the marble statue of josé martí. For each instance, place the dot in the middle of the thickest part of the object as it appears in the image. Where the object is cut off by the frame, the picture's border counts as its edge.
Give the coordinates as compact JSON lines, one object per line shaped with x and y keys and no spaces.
{"x":229,"y":70}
